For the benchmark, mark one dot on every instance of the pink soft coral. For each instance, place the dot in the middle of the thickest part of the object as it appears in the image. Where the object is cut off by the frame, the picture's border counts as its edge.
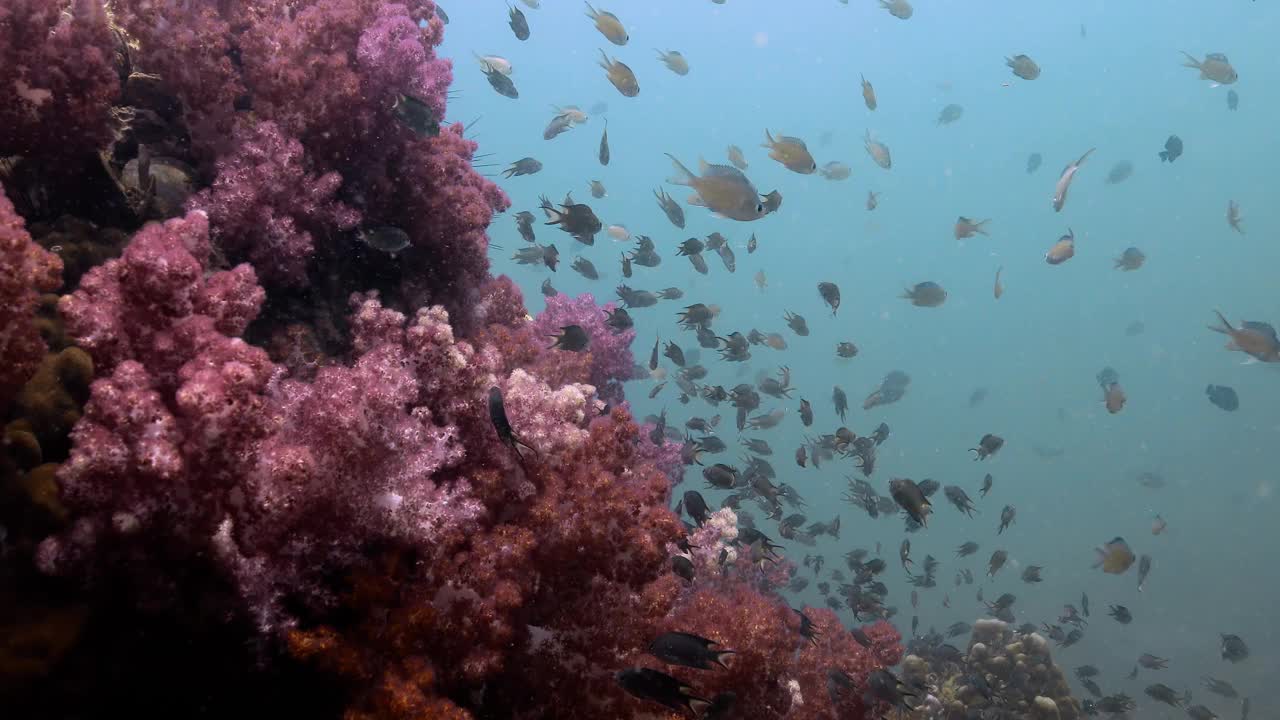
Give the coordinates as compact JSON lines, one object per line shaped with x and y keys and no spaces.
{"x":26,"y":269}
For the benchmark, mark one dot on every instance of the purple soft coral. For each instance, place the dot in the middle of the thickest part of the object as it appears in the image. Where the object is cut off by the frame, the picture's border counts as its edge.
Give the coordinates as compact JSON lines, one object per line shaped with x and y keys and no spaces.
{"x":266,"y":201}
{"x":611,"y":358}
{"x":25,"y":269}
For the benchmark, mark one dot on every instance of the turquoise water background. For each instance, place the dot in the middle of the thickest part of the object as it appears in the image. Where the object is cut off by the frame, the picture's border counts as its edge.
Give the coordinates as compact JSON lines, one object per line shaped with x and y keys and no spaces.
{"x":794,"y":68}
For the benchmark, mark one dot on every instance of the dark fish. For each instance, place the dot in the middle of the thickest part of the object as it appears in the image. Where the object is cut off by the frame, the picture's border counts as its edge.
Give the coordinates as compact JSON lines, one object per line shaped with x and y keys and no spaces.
{"x":524,"y":224}
{"x":440,"y":13}
{"x":572,"y":338}
{"x":501,"y":83}
{"x":548,"y":290}
{"x":1221,"y":687}
{"x":1119,"y":172}
{"x":649,"y":684}
{"x":830,"y":293}
{"x":950,"y":114}
{"x":498,"y":416}
{"x":687,"y":650}
{"x":657,"y":389}
{"x":1121,"y":614}
{"x":989,"y":445}
{"x":958,"y":497}
{"x":841,"y":402}
{"x":806,"y":412}
{"x":604,"y":144}
{"x":801,"y":457}
{"x":559,"y":124}
{"x":416,"y":115}
{"x":986,"y":484}
{"x":977,"y":396}
{"x":653,"y":357}
{"x":618,"y":320}
{"x":585,"y":268}
{"x":387,"y":239}
{"x":670,"y":207}
{"x":576,"y":219}
{"x":996,"y":562}
{"x":1224,"y":397}
{"x":1033,"y":162}
{"x":1006,"y":518}
{"x":1233,"y":100}
{"x":674,"y":353}
{"x":519,"y":25}
{"x":912,"y":501}
{"x":967,"y":549}
{"x":1164,"y":694}
{"x":797,"y":323}
{"x":523,"y":166}
{"x":1233,"y":648}
{"x":846,"y":349}
{"x":626,"y":266}
{"x":1172,"y":149}
{"x":1084,"y":604}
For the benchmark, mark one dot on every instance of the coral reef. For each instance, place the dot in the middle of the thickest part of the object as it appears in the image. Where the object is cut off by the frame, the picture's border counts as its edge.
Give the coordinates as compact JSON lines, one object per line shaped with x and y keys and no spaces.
{"x":1003,"y":668}
{"x":260,"y":443}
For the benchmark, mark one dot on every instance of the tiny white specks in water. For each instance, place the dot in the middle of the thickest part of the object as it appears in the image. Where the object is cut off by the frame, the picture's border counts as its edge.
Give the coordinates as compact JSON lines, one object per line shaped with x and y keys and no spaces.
{"x":761,"y":39}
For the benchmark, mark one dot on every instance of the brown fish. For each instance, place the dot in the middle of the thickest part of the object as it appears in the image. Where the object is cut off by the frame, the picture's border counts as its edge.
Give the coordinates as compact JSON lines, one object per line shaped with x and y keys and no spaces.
{"x":609,"y":26}
{"x":674,"y":61}
{"x":868,"y":94}
{"x":1131,"y":259}
{"x":1256,"y":339}
{"x":900,"y":9}
{"x":925,"y":294}
{"x":1115,"y":557}
{"x":1064,"y":181}
{"x":1062,"y":250}
{"x":721,"y":189}
{"x":1215,"y":67}
{"x":966,"y":227}
{"x":620,"y":75}
{"x":736,"y":158}
{"x":998,"y":290}
{"x":1233,"y":216}
{"x":878,"y":151}
{"x":1023,"y":66}
{"x":791,"y":152}
{"x":873,"y":200}
{"x":604,"y":154}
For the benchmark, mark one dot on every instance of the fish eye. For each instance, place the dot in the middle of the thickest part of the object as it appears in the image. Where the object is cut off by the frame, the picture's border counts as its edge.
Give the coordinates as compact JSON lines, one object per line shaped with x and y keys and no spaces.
{"x":759,"y":207}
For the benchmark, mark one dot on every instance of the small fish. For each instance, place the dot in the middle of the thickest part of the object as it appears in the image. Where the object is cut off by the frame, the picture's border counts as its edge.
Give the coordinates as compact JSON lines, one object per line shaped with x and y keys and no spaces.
{"x":1113,"y":396}
{"x":620,"y":75}
{"x":1172,"y":149}
{"x":1023,"y":66}
{"x":1084,"y":604}
{"x":806,"y":413}
{"x":417,"y":115}
{"x":585,"y":268}
{"x":997,"y":561}
{"x":618,"y":232}
{"x":752,"y":244}
{"x":682,"y":567}
{"x":574,"y":218}
{"x":659,"y":687}
{"x":1064,"y":181}
{"x":1158,"y":525}
{"x":966,"y":227}
{"x":1131,"y":259}
{"x":603,"y":154}
{"x":440,"y":13}
{"x":878,"y":151}
{"x":846,"y":349}
{"x":906,"y":493}
{"x":1033,"y":162}
{"x":1233,"y":216}
{"x":523,"y":166}
{"x":791,"y":153}
{"x":524,"y":225}
{"x":558,"y":125}
{"x":687,"y":650}
{"x":1144,"y":567}
{"x":989,"y":445}
{"x":873,"y":200}
{"x":1007,"y":516}
{"x":670,"y":208}
{"x":925,"y":294}
{"x":387,"y":239}
{"x":950,"y":113}
{"x":1115,"y":557}
{"x":519,"y":25}
{"x":656,"y":390}
{"x":501,"y":84}
{"x":998,"y":289}
{"x":572,"y":338}
{"x":609,"y":25}
{"x":1233,"y":100}
{"x":760,"y":281}
{"x":1063,"y":250}
{"x":548,"y":290}
{"x":835,"y":170}
{"x":502,"y":425}
{"x":801,"y":458}
{"x":1223,"y":396}
{"x":796,"y":323}
{"x":987,"y":481}
{"x":1233,"y":648}
{"x":597,"y":188}
{"x":1121,"y":614}
{"x":1215,"y":67}
{"x":1256,"y":339}
{"x":674,"y":61}
{"x":868,"y":94}
{"x":653,"y":357}
{"x":900,"y":9}
{"x":830,"y":293}
{"x":1119,"y":172}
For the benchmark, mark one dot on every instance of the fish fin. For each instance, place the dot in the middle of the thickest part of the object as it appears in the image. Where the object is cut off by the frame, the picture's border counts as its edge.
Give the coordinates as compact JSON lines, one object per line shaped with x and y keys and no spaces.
{"x":1251,"y":360}
{"x":592,"y":13}
{"x":768,"y":140}
{"x":604,"y":60}
{"x":696,"y":199}
{"x":685,"y":177}
{"x":1225,"y":328}
{"x":1192,"y":62}
{"x":1215,"y":85}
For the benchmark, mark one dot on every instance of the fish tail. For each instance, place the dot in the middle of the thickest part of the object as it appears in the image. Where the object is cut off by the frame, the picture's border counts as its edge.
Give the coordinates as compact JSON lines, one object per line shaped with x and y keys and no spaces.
{"x":768,"y":139}
{"x":1225,"y":328}
{"x":1086,"y":154}
{"x":1164,"y":156}
{"x":1191,"y":62}
{"x":592,"y":12}
{"x":685,"y":176}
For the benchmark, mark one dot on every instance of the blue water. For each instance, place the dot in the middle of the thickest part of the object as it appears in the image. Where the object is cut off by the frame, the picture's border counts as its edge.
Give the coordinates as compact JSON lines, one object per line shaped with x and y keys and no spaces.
{"x":793,"y":68}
